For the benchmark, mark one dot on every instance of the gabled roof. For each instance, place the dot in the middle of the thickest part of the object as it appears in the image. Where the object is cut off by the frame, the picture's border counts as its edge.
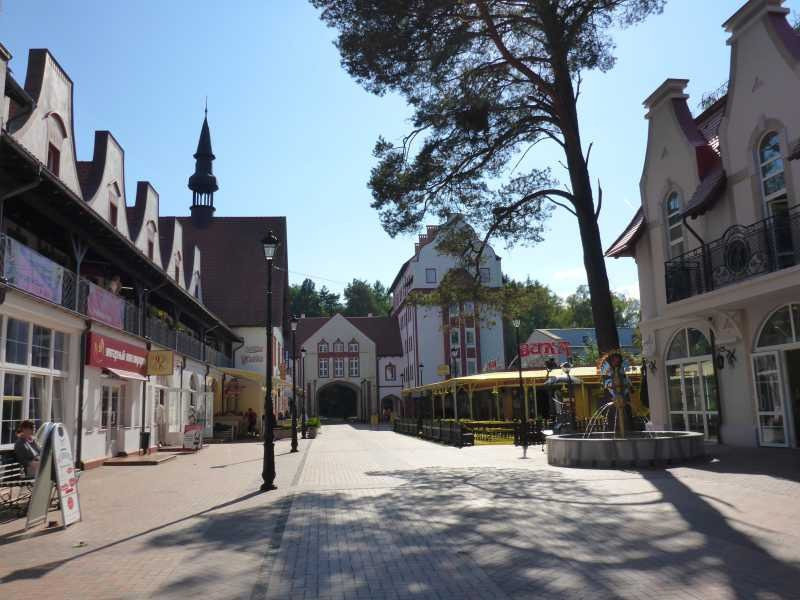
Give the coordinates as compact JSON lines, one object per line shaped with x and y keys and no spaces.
{"x":234,"y":273}
{"x":384,"y":331}
{"x":136,"y":212}
{"x":626,"y":242}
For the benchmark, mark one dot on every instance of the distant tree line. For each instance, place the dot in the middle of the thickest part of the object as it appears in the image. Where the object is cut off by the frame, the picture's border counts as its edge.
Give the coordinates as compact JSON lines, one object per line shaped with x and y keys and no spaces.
{"x":360,"y":299}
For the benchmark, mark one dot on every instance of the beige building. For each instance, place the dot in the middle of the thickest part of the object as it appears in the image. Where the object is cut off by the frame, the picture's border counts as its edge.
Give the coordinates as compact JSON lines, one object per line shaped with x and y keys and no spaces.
{"x":717,"y":243}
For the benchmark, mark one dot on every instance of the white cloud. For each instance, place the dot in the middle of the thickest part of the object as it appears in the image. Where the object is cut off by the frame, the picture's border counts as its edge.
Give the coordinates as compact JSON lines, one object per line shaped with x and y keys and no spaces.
{"x":570,"y":274}
{"x":631,"y":290}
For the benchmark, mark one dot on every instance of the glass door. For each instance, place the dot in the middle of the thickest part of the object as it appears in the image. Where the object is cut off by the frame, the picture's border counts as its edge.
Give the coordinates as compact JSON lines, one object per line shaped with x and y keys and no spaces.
{"x":769,"y":399}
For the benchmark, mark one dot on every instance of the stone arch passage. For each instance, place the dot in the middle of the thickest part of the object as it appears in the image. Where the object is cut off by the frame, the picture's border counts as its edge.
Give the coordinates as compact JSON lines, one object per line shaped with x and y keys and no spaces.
{"x":337,"y":401}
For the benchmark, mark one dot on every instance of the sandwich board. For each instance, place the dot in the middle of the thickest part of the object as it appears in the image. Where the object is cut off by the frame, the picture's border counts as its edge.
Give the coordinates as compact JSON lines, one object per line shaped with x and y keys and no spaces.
{"x":56,"y":467}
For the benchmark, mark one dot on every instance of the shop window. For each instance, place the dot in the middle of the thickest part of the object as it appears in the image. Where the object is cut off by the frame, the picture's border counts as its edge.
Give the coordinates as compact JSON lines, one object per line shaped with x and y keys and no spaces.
{"x":17,"y":341}
{"x":11,"y":407}
{"x":57,"y":413}
{"x":60,"y":351}
{"x":691,"y":384}
{"x":110,"y":407}
{"x":40,"y":347}
{"x":36,"y":400}
{"x":324,"y":368}
{"x":353,"y":367}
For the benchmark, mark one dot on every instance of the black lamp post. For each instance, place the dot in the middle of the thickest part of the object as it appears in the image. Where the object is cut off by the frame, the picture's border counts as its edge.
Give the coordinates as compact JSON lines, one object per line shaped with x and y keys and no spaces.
{"x":270,"y":244}
{"x":303,"y":381}
{"x":364,"y":400}
{"x":524,"y":404}
{"x":293,"y":407}
{"x":419,"y":374}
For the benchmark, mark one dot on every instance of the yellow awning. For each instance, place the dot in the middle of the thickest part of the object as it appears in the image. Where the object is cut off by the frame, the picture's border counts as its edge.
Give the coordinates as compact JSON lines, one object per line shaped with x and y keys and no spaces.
{"x":589,"y":375}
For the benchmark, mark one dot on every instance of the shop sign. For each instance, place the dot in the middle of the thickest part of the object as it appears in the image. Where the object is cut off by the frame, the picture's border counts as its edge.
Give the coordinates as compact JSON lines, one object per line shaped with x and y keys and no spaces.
{"x":193,"y":436}
{"x":105,"y":352}
{"x":545,"y":349}
{"x":491,"y":365}
{"x":252,"y":354}
{"x":56,"y":467}
{"x":105,"y":306}
{"x":30,"y":271}
{"x":160,"y":362}
{"x":443,"y":370}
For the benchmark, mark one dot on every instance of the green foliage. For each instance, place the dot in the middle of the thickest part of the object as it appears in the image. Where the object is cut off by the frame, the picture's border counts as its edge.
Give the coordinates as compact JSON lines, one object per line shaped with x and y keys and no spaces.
{"x":305,"y":299}
{"x":313,"y":422}
{"x":361,"y":299}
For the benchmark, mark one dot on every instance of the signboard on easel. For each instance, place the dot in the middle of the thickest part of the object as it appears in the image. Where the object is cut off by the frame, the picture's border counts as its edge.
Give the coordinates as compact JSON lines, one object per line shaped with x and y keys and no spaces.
{"x":57,"y":468}
{"x":193,"y":436}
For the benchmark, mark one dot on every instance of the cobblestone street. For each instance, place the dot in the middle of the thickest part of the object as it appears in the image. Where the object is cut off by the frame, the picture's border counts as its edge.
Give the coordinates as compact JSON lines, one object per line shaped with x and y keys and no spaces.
{"x":371,"y":514}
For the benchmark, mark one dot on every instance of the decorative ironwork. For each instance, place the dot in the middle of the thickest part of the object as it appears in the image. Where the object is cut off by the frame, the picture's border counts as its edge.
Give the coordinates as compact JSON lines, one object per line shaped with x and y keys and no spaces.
{"x":742,"y":252}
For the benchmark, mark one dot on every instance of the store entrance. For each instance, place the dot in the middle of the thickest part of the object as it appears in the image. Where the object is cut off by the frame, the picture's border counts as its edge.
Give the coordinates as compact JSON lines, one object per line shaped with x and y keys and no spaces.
{"x":337,"y":401}
{"x":793,"y":369}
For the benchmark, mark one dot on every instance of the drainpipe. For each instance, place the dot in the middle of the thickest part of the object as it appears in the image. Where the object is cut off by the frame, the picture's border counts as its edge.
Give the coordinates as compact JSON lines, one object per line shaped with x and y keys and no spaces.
{"x":707,"y":283}
{"x":378,"y":385}
{"x":81,"y":375}
{"x":716,"y":377}
{"x":145,"y":447}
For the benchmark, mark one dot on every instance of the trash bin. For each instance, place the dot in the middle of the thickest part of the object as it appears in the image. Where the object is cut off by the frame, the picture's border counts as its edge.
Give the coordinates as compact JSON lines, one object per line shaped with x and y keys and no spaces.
{"x":144,"y":442}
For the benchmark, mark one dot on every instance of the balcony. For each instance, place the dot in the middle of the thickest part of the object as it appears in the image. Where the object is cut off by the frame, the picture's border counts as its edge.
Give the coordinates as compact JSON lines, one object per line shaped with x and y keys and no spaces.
{"x":744,"y":252}
{"x":31,"y":272}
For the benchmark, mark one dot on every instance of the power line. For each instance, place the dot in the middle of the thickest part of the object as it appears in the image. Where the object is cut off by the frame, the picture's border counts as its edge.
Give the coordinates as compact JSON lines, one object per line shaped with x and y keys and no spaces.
{"x":312,"y":276}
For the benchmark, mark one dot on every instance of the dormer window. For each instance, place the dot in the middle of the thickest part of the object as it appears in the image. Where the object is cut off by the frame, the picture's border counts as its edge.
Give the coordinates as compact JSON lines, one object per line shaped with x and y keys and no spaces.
{"x":53,"y":159}
{"x":672,"y":208}
{"x":338,"y":346}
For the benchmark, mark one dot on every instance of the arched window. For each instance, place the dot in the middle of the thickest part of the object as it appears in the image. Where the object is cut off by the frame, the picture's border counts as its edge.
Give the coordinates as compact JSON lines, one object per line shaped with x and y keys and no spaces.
{"x":771,"y":167}
{"x":673,"y":209}
{"x":322,"y":347}
{"x":691,"y":384}
{"x":390,"y":372}
{"x":778,"y":339}
{"x":338,"y":346}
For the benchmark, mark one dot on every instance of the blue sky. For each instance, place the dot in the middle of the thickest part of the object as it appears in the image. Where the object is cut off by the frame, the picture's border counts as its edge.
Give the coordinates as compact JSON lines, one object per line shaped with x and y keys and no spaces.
{"x":293,"y":134}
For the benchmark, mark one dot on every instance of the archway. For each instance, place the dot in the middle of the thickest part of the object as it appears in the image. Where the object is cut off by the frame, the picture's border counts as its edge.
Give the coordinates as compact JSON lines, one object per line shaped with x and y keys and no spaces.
{"x":390,"y":405}
{"x":337,"y":400}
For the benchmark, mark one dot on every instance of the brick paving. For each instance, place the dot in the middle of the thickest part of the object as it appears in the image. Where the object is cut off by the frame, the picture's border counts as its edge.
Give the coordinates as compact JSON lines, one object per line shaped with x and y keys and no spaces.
{"x":364,"y":514}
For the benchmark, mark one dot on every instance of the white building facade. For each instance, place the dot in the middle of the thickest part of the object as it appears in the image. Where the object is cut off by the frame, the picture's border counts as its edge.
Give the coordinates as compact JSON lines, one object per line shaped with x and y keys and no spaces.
{"x":463,"y":338}
{"x":717,"y":244}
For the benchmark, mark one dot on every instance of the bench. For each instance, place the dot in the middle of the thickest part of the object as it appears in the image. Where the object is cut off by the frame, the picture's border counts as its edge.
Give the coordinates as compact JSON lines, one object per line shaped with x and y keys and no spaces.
{"x":15,"y":487}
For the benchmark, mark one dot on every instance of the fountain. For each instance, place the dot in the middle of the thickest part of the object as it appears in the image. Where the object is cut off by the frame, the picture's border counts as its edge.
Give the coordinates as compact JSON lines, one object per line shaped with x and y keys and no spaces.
{"x":622,"y":447}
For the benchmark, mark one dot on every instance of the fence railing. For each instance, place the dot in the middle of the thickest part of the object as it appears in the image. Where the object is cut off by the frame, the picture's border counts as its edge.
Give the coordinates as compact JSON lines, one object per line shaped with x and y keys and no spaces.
{"x":447,"y":432}
{"x":26,"y":269}
{"x":742,"y":252}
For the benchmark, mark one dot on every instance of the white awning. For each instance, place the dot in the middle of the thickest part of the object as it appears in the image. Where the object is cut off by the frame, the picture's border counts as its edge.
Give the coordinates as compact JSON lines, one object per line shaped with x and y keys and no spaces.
{"x":126,"y":374}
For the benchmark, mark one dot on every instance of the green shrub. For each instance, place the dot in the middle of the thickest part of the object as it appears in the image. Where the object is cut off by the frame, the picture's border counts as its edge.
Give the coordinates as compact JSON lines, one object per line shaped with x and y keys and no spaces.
{"x":312,"y":422}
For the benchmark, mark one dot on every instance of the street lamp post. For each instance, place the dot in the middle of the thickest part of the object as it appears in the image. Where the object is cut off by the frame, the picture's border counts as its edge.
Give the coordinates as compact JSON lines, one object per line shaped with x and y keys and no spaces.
{"x":303,"y":381}
{"x":270,"y":244}
{"x":522,"y":397}
{"x":293,"y":325}
{"x":567,"y":367}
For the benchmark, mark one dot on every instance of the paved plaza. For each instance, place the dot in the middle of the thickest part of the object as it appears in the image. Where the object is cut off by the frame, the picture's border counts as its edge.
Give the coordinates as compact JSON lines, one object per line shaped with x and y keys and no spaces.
{"x":366,"y":514}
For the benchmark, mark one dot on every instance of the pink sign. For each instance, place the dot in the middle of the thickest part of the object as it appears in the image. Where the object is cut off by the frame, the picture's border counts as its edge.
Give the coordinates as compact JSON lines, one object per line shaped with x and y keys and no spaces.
{"x":545,"y":348}
{"x":30,"y":271}
{"x":105,"y":306}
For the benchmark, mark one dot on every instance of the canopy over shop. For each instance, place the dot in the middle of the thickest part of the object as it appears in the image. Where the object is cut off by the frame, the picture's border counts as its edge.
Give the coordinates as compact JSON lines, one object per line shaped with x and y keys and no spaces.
{"x":243,"y":390}
{"x":495,"y":396}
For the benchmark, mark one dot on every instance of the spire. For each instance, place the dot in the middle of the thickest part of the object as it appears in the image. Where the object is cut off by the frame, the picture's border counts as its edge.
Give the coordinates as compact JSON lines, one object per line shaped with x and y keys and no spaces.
{"x":203,"y":183}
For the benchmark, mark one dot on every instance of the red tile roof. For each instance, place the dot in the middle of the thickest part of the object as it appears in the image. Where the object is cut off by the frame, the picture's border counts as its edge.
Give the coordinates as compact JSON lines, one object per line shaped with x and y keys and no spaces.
{"x":626,"y":243}
{"x":709,"y":121}
{"x":384,"y":331}
{"x":234,"y":273}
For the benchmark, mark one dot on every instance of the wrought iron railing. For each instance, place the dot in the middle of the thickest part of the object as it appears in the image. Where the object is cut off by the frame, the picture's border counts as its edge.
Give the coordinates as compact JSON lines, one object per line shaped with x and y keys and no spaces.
{"x":26,"y":269}
{"x":741,"y":253}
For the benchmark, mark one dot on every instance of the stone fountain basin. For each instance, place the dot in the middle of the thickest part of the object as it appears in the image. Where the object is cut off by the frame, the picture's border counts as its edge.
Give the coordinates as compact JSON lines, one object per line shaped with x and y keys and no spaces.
{"x":640,"y":449}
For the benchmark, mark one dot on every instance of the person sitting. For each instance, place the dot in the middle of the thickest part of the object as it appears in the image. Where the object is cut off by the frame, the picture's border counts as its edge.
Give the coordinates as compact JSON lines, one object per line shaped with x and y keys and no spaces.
{"x":26,"y":449}
{"x":251,"y":422}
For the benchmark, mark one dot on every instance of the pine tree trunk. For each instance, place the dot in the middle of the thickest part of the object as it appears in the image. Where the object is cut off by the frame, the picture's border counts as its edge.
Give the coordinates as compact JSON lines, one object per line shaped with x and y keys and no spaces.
{"x":593,"y":259}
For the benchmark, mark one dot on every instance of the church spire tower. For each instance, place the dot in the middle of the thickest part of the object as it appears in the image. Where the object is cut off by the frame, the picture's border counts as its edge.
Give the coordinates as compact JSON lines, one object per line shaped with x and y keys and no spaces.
{"x":203,"y":183}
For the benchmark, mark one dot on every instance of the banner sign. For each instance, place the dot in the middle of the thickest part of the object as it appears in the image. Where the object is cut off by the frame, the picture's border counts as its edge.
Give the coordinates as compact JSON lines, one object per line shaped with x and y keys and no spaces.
{"x":252,"y":354}
{"x":160,"y":362}
{"x":30,"y":271}
{"x":545,"y":349}
{"x":105,"y":352}
{"x":105,"y":306}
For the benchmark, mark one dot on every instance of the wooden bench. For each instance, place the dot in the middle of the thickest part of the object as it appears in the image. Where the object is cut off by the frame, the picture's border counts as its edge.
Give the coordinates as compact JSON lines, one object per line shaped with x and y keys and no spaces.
{"x":15,"y":487}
